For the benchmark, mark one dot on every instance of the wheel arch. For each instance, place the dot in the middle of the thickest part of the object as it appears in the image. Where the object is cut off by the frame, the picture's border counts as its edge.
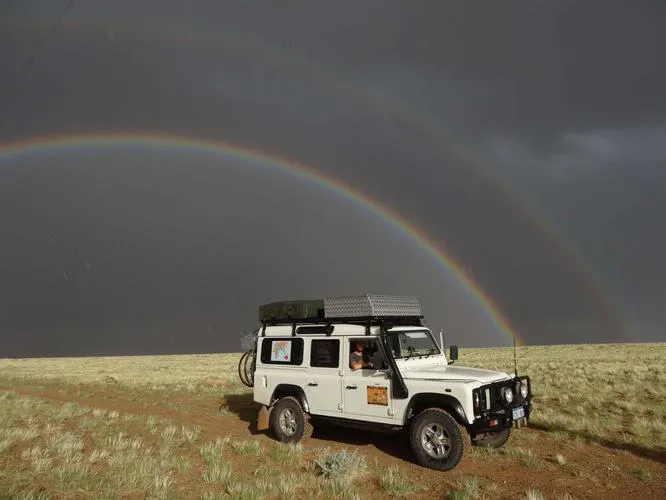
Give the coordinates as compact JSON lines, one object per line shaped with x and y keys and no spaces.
{"x":446,"y":402}
{"x":283,"y":390}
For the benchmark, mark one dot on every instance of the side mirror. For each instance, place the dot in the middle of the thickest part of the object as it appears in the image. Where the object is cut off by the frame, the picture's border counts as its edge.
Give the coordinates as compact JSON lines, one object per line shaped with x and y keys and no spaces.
{"x":453,"y":353}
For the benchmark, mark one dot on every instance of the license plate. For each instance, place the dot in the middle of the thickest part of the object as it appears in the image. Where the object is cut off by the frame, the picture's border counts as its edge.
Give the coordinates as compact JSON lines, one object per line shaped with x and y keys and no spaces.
{"x":518,"y":413}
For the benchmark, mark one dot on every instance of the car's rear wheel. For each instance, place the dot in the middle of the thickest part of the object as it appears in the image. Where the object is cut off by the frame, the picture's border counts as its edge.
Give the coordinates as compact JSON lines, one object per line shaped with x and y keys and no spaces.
{"x":437,"y":440}
{"x":495,"y":439}
{"x":288,"y":421}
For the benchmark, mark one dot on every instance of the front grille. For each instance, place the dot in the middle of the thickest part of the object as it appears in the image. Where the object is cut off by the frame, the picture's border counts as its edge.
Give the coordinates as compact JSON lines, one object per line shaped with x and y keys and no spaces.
{"x":490,"y":395}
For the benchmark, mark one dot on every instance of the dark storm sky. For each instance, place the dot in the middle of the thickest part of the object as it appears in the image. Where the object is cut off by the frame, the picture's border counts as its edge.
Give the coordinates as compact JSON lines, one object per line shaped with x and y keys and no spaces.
{"x":528,"y":139}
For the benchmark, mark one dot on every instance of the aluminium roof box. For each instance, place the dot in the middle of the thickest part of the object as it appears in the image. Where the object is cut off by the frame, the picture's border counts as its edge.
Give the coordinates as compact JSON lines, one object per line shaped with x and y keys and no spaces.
{"x":372,"y":306}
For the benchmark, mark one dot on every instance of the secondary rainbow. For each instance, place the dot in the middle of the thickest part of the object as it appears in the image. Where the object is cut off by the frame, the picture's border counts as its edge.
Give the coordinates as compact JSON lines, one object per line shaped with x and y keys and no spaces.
{"x":446,"y":260}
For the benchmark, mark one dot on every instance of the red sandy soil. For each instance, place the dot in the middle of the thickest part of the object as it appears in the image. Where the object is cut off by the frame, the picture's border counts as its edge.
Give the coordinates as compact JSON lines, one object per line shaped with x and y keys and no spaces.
{"x":602,"y":469}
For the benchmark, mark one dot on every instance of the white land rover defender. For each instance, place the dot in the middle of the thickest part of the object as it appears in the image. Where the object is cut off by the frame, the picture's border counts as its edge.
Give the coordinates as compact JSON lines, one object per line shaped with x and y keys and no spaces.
{"x":369,"y":362}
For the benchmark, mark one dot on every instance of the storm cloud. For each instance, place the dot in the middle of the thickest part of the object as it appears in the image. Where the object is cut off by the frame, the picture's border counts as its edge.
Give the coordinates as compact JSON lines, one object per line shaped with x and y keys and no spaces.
{"x":525,"y":138}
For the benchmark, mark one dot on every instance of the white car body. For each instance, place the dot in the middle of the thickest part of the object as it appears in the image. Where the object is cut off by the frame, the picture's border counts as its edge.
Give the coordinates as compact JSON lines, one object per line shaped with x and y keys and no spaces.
{"x":301,"y":373}
{"x":342,"y":392}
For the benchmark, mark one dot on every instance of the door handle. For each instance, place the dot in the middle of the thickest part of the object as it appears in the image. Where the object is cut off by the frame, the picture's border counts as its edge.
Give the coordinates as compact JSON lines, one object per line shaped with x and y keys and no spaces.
{"x":313,"y":384}
{"x":351,"y":387}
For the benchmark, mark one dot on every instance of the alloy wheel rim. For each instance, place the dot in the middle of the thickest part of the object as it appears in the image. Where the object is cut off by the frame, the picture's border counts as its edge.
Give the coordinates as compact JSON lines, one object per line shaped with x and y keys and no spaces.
{"x":288,"y":423}
{"x":435,"y":441}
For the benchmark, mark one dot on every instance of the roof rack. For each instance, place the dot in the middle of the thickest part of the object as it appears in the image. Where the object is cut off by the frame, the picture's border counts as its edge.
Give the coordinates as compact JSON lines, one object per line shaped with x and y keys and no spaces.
{"x":368,"y":310}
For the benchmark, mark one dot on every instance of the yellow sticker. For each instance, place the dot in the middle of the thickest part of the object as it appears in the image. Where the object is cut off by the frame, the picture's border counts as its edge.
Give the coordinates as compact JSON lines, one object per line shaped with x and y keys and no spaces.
{"x":377,"y":395}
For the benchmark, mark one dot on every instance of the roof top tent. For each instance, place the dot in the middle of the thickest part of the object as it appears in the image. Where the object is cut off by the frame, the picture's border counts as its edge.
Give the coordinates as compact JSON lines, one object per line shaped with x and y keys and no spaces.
{"x":368,"y":309}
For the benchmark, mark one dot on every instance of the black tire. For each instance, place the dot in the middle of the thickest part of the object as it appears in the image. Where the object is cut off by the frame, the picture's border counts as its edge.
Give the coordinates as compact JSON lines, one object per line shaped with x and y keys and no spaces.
{"x":434,"y":424}
{"x":241,"y":371}
{"x":288,"y":422}
{"x":245,"y":372}
{"x":492,"y":439}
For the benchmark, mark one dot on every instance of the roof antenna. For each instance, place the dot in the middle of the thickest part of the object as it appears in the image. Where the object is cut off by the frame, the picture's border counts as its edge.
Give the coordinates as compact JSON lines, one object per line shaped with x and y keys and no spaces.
{"x":515,"y":361}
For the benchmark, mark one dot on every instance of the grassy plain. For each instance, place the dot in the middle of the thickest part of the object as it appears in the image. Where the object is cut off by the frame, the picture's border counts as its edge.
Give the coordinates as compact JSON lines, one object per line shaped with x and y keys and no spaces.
{"x":178,"y":427}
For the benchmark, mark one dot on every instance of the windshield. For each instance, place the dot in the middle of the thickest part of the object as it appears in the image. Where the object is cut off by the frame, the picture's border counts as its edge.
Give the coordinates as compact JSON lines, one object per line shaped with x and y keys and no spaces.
{"x":407,"y":344}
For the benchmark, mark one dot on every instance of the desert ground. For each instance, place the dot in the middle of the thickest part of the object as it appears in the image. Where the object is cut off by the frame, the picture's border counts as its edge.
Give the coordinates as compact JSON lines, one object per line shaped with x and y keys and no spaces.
{"x":183,"y":427}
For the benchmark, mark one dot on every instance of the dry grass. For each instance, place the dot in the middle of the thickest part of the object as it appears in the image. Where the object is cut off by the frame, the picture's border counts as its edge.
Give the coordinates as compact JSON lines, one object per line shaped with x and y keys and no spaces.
{"x":582,"y":393}
{"x":396,"y":483}
{"x":45,"y":445}
{"x":155,"y":373}
{"x":613,"y":392}
{"x":468,"y":489}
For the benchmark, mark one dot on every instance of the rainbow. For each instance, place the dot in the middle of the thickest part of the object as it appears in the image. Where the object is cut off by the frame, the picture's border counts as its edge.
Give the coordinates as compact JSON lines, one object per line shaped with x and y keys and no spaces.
{"x":290,"y":61}
{"x":447,"y":261}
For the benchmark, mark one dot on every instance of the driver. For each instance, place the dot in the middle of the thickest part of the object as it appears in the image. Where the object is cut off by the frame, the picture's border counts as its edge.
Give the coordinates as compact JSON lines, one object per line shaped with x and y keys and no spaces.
{"x":356,"y":360}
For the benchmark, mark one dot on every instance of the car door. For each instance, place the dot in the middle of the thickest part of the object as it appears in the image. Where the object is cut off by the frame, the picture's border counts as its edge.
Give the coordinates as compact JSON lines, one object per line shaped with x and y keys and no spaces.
{"x":366,"y":391}
{"x":324,"y":384}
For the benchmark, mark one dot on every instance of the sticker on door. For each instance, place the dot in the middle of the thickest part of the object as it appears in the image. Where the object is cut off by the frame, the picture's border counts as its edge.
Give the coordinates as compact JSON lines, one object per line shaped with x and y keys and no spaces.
{"x":377,"y":395}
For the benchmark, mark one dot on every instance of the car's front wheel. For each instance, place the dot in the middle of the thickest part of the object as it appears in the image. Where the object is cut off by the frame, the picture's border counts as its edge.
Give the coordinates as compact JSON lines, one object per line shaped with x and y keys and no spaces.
{"x":437,"y":440}
{"x":288,"y":421}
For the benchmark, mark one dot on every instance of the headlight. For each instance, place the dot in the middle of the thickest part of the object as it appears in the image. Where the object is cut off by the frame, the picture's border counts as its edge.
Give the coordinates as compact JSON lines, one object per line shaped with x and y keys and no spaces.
{"x":523,"y":390}
{"x":508,"y":394}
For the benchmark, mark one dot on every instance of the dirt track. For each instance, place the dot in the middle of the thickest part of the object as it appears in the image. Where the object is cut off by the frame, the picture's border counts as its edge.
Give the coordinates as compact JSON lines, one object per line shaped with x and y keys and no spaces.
{"x":596,"y":470}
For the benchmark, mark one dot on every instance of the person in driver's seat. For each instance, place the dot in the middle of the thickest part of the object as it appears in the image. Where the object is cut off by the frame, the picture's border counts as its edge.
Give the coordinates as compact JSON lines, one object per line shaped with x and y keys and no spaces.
{"x":356,"y":360}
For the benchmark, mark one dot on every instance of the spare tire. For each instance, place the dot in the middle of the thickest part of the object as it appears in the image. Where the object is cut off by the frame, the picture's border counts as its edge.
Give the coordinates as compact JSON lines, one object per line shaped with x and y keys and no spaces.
{"x":246,"y":368}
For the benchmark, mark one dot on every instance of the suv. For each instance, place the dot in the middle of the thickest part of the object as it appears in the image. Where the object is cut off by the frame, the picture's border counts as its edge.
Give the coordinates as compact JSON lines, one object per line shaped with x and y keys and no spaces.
{"x":370,"y":362}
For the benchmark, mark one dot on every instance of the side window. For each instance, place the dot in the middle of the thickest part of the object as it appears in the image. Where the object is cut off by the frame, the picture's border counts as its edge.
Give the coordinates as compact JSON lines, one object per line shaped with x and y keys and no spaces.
{"x":365,"y":354}
{"x":282,"y":351}
{"x":325,"y":353}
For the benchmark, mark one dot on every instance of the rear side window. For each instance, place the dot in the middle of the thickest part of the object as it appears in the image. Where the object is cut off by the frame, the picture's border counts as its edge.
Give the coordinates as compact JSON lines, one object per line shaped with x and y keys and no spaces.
{"x":282,"y":351}
{"x":325,"y":353}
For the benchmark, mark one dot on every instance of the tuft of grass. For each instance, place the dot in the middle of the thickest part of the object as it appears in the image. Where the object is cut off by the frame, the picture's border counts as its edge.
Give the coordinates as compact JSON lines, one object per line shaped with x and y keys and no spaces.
{"x":343,"y":463}
{"x":394,"y":483}
{"x":27,"y":495}
{"x":247,"y":447}
{"x":534,"y":494}
{"x":72,"y":476}
{"x":190,"y":434}
{"x":339,"y":471}
{"x":40,"y":458}
{"x":642,"y":474}
{"x":287,"y":486}
{"x":217,"y":473}
{"x":340,"y":488}
{"x":151,"y":422}
{"x":99,"y":456}
{"x":67,"y":444}
{"x":182,"y":463}
{"x":161,"y":484}
{"x":287,"y":453}
{"x":527,"y":457}
{"x":23,"y":434}
{"x":120,"y":442}
{"x":213,"y":495}
{"x":169,"y":432}
{"x":211,"y":451}
{"x":71,"y":410}
{"x":249,"y":490}
{"x":468,"y":489}
{"x":5,"y":444}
